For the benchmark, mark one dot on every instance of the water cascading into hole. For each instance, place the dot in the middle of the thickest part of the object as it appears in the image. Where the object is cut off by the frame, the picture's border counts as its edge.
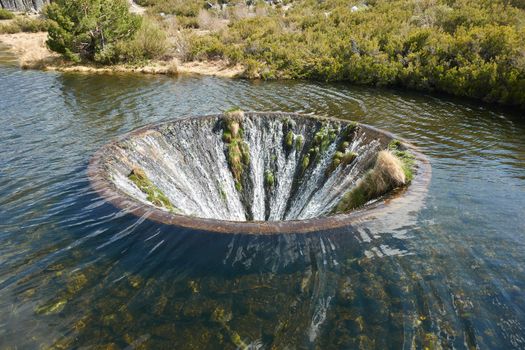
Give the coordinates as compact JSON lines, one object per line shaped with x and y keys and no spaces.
{"x":257,"y":167}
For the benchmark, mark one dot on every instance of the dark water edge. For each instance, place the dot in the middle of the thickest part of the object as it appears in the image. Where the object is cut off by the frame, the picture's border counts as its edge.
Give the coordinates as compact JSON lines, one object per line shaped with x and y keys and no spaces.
{"x":77,"y":273}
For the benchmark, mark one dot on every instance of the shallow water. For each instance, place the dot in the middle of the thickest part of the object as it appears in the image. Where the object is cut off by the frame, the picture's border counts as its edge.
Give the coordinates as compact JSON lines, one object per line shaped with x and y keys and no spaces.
{"x":77,"y":273}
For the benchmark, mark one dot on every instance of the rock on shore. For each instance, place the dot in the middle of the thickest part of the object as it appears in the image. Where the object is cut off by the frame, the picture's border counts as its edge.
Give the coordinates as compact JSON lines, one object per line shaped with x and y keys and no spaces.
{"x":23,"y":5}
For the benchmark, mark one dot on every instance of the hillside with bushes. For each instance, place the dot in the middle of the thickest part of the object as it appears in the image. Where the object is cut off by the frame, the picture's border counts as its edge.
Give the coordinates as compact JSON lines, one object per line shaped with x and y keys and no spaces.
{"x":465,"y":48}
{"x":462,"y":47}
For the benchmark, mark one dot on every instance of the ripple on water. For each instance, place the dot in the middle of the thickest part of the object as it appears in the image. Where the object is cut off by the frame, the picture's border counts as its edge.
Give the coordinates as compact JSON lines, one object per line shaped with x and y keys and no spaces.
{"x":77,"y":272}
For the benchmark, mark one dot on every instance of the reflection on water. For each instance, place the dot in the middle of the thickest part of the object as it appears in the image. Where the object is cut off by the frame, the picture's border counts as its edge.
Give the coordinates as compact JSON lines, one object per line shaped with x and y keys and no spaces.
{"x":76,"y":272}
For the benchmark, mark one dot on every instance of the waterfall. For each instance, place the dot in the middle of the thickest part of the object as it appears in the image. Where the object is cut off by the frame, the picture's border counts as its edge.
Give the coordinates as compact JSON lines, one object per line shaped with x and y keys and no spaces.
{"x":187,"y":160}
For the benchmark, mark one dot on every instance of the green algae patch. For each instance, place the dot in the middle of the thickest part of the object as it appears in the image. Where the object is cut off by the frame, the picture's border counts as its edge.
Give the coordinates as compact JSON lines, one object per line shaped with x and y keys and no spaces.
{"x":76,"y":282}
{"x":222,"y":193}
{"x":237,"y":150}
{"x":223,"y":317}
{"x":153,"y":193}
{"x":51,"y":308}
{"x":388,"y":173}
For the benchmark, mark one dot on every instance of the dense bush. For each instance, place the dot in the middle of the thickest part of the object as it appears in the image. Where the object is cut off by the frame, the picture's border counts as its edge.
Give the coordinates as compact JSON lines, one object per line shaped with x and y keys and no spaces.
{"x":463,"y":47}
{"x":90,"y":29}
{"x":5,"y":14}
{"x":149,"y":42}
{"x":185,"y":8}
{"x":473,"y":48}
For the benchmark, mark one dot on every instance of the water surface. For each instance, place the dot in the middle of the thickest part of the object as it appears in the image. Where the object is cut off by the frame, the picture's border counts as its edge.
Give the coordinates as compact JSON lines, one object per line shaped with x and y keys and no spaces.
{"x":76,"y":272}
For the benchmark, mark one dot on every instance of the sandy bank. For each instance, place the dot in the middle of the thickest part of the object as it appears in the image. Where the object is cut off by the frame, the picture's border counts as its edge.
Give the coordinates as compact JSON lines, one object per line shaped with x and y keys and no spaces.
{"x":32,"y":53}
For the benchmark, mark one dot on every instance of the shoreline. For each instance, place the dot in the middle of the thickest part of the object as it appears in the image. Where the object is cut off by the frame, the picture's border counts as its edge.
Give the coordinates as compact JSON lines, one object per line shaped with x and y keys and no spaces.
{"x":31,"y":53}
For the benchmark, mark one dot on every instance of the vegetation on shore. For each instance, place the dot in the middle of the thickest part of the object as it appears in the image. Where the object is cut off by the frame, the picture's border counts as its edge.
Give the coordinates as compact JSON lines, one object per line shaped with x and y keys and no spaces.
{"x":462,"y":47}
{"x":25,"y":24}
{"x":102,"y":31}
{"x":5,"y":14}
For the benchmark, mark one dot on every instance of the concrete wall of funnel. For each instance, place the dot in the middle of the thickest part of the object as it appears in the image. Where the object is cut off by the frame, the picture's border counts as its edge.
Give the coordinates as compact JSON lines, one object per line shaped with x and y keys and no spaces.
{"x":288,"y":184}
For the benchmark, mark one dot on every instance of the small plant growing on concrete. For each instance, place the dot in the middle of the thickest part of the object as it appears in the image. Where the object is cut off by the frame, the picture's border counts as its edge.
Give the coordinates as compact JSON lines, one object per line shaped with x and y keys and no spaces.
{"x":299,"y":141}
{"x":396,"y":147}
{"x":269,"y":179}
{"x":289,"y":140}
{"x":340,"y":158}
{"x":237,"y":150}
{"x":322,"y":140}
{"x":153,"y":193}
{"x":343,"y":156}
{"x":388,"y":173}
{"x":306,"y":162}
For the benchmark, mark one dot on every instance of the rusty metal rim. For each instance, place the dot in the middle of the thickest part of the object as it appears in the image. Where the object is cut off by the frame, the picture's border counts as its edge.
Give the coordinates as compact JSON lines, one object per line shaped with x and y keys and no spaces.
{"x":109,"y":192}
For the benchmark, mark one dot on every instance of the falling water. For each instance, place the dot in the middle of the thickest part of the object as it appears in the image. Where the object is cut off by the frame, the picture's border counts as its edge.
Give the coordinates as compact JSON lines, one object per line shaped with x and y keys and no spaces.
{"x":187,"y":161}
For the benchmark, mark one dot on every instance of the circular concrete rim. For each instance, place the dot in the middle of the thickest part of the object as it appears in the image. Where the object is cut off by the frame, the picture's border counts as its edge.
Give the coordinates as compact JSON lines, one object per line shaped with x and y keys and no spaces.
{"x":108,"y":191}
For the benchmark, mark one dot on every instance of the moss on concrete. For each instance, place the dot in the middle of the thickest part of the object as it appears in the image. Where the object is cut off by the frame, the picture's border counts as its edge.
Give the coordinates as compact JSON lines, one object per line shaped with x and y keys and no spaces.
{"x":306,"y":162}
{"x":222,"y":193}
{"x":269,"y":178}
{"x":321,"y":141}
{"x":299,"y":141}
{"x":342,"y":156}
{"x":289,"y":140}
{"x":153,"y":193}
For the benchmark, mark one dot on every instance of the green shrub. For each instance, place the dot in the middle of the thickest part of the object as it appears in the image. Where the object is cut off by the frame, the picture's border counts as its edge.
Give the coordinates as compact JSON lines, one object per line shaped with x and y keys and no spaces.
{"x":90,"y":29}
{"x":24,"y":24}
{"x":187,"y":8}
{"x":188,"y":22}
{"x":149,"y":42}
{"x":5,"y":14}
{"x":466,"y":48}
{"x":206,"y":48}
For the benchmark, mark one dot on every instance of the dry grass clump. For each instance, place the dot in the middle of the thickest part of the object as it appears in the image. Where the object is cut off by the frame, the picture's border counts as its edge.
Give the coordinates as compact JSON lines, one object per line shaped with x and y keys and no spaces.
{"x":386,"y":175}
{"x":210,"y":21}
{"x":173,"y":69}
{"x":388,"y":172}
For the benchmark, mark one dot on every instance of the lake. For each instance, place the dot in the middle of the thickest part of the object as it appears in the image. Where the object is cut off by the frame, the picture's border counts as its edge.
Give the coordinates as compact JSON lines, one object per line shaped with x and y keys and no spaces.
{"x":75,"y":272}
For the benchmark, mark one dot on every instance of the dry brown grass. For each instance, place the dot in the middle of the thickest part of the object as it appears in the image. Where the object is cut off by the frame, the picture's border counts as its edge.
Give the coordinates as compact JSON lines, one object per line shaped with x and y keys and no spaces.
{"x":32,"y":53}
{"x":210,"y":21}
{"x":386,"y":175}
{"x":388,"y":172}
{"x":30,"y":48}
